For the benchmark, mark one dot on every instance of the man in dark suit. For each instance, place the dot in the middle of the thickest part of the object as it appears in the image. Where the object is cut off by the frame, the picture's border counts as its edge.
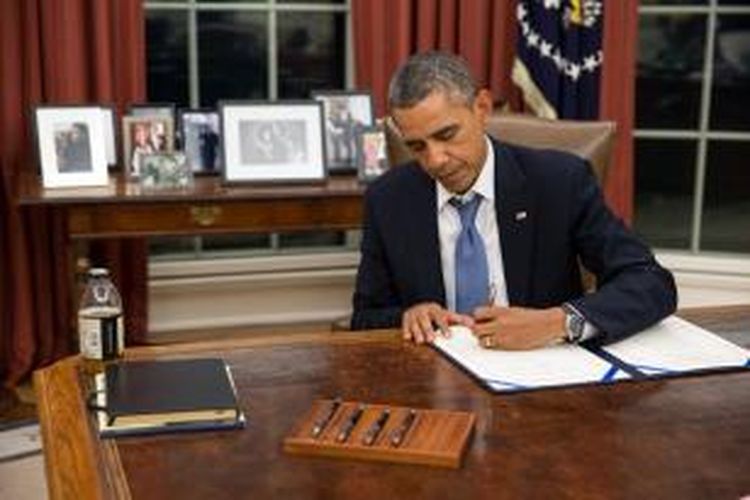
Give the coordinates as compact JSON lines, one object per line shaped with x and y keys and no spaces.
{"x":510,"y":271}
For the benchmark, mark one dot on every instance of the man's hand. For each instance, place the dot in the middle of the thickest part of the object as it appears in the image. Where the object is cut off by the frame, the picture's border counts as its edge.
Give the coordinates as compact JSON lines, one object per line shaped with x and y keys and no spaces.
{"x":518,"y":328}
{"x":420,"y":322}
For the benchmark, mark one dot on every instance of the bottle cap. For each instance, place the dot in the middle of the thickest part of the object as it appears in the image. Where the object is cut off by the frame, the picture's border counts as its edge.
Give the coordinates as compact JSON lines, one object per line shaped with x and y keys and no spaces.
{"x":98,"y":272}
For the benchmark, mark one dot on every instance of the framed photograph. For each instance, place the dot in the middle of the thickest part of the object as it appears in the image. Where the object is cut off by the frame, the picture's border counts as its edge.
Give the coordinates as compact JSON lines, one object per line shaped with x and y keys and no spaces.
{"x":345,"y":114}
{"x":372,"y":159}
{"x":72,"y":146}
{"x":110,"y":137}
{"x":165,"y":171}
{"x":144,"y":135}
{"x":280,"y":141}
{"x":200,"y":140}
{"x":162,"y":109}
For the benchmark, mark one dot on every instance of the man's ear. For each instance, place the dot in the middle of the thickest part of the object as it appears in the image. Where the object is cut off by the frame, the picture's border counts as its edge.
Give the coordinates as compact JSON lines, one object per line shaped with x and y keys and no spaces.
{"x":389,"y":121}
{"x":483,"y":105}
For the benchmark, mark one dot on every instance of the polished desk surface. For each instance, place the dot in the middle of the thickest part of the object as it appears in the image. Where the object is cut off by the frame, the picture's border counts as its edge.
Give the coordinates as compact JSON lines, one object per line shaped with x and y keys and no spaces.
{"x":681,"y":438}
{"x":209,"y":206}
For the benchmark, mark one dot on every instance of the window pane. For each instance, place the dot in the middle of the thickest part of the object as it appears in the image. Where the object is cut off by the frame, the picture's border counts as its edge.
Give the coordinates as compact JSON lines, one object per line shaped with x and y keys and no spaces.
{"x":730,"y":104}
{"x":236,"y":242}
{"x":670,"y":66}
{"x":726,"y":206}
{"x":664,"y":178}
{"x":232,"y":54}
{"x":309,"y":239}
{"x":167,"y":56}
{"x":173,"y":246}
{"x":311,"y":52}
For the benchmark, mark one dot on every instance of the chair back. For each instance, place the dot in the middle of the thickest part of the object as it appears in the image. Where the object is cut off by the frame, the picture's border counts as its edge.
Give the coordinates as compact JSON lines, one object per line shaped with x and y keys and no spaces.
{"x":590,"y":140}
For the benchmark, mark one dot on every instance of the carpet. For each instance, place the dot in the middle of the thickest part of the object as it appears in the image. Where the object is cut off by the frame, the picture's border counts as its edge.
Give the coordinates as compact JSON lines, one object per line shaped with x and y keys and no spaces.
{"x":19,"y":440}
{"x":19,"y":429}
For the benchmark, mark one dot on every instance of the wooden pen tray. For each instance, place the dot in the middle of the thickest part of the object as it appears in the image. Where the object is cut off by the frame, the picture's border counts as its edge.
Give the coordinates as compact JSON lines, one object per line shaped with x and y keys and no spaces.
{"x":436,"y":437}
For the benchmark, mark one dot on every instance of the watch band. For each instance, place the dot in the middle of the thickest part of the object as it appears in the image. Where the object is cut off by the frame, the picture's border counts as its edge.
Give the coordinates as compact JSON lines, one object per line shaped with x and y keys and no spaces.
{"x":574,"y":323}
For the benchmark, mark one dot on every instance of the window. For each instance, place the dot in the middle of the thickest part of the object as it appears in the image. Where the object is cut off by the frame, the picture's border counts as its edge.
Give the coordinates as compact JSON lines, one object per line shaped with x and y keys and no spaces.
{"x":692,"y":174}
{"x":199,"y":52}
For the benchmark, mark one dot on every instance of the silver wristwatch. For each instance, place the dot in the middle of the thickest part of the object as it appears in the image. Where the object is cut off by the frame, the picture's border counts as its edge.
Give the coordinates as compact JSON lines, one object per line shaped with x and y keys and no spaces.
{"x":574,"y":323}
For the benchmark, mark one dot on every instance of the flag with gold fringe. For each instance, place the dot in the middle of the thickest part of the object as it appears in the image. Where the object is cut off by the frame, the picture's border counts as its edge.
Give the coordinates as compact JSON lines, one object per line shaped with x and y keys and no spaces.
{"x":559,"y":56}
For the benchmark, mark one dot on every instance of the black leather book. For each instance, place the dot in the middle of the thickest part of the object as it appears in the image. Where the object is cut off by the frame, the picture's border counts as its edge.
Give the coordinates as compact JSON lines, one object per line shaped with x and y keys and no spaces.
{"x":139,"y":397}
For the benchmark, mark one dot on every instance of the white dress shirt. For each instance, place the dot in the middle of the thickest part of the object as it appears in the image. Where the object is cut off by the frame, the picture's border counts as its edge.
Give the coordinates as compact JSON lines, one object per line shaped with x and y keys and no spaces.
{"x":449,"y":227}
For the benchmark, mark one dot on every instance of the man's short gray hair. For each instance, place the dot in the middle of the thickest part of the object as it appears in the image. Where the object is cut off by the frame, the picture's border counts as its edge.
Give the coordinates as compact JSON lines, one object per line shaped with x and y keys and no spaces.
{"x":428,"y":72}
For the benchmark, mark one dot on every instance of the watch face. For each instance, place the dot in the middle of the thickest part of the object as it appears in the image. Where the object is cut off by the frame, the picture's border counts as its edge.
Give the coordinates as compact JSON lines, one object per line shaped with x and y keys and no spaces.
{"x":574,"y":323}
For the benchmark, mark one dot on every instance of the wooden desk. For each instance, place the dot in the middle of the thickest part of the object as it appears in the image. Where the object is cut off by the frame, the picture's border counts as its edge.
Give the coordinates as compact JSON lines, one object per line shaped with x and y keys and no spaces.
{"x":122,"y":209}
{"x":679,"y":438}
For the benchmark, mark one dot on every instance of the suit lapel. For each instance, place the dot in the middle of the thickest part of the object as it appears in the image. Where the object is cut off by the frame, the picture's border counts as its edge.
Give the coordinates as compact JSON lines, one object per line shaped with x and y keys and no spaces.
{"x":515,"y":219}
{"x":425,"y":242}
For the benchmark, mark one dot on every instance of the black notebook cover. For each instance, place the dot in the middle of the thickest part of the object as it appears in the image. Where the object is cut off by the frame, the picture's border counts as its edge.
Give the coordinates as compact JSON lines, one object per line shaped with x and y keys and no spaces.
{"x":164,"y":392}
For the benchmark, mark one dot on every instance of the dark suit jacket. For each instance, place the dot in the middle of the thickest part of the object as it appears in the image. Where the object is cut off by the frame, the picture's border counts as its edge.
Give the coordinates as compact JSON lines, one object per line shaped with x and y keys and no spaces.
{"x":566,"y":219}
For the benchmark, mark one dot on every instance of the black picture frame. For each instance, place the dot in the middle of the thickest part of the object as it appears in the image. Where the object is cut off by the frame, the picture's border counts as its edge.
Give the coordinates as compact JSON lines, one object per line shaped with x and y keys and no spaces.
{"x":344,"y":113}
{"x":272,"y":141}
{"x":372,"y":153}
{"x":200,"y":130}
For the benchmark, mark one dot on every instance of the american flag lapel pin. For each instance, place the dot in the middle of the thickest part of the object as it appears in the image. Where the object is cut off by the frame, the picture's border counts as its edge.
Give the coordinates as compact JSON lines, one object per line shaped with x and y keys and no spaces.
{"x":521,"y":215}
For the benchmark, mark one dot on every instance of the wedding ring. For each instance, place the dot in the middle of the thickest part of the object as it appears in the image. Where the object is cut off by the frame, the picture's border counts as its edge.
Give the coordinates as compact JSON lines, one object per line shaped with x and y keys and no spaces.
{"x":488,"y":341}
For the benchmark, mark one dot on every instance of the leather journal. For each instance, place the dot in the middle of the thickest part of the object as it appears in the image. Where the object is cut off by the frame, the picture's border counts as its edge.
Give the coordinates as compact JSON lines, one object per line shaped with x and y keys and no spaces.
{"x":144,"y":397}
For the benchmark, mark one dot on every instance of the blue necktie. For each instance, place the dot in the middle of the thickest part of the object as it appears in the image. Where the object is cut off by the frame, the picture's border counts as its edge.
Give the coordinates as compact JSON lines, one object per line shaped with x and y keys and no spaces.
{"x":472,"y":276}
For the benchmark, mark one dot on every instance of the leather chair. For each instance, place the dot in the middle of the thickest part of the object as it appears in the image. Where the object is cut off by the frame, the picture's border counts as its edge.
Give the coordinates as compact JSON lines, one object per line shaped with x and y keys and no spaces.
{"x":591,"y":140}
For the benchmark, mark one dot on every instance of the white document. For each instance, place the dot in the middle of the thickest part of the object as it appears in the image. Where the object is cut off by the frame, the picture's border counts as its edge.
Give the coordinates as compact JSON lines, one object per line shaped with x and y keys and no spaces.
{"x":507,"y":371}
{"x":676,"y":346}
{"x":671,"y":347}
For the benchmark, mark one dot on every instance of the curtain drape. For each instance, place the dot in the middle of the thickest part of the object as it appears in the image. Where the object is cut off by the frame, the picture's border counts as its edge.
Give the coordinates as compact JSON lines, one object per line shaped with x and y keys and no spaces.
{"x":58,"y":52}
{"x":388,"y":31}
{"x":484,"y":32}
{"x":617,"y":99}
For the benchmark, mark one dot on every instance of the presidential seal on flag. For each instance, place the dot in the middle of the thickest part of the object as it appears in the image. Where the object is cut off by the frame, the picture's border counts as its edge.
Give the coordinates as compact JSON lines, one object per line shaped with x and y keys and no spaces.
{"x":559,"y":56}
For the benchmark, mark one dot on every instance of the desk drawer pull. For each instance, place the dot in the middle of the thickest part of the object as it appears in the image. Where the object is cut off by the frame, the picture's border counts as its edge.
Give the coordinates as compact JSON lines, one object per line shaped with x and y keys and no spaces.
{"x":205,"y":216}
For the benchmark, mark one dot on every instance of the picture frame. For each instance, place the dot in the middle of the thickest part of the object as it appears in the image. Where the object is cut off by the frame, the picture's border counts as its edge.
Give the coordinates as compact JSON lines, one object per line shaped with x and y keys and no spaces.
{"x":372,"y":154}
{"x":165,"y":171}
{"x":71,"y":145}
{"x":272,"y":141}
{"x":201,"y":139}
{"x":110,"y":134}
{"x":163,"y":109}
{"x":142,"y":135}
{"x":345,"y":112}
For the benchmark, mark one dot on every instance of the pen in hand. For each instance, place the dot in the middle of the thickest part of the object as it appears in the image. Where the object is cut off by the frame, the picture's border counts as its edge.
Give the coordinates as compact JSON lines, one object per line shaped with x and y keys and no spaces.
{"x":398,"y":435}
{"x":349,"y":425}
{"x":372,"y":433}
{"x":322,"y":422}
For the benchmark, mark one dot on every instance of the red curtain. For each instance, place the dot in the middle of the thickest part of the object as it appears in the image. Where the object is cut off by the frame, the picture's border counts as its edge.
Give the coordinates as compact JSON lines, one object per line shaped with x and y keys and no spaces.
{"x":61,"y":52}
{"x":617,"y":99}
{"x":484,"y":32}
{"x":388,"y":31}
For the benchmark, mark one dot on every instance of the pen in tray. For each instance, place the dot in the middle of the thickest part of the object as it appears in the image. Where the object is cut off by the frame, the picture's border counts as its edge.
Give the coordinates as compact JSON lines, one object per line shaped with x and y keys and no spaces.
{"x":399,"y":433}
{"x":346,"y":429}
{"x":374,"y":430}
{"x":323,"y":421}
